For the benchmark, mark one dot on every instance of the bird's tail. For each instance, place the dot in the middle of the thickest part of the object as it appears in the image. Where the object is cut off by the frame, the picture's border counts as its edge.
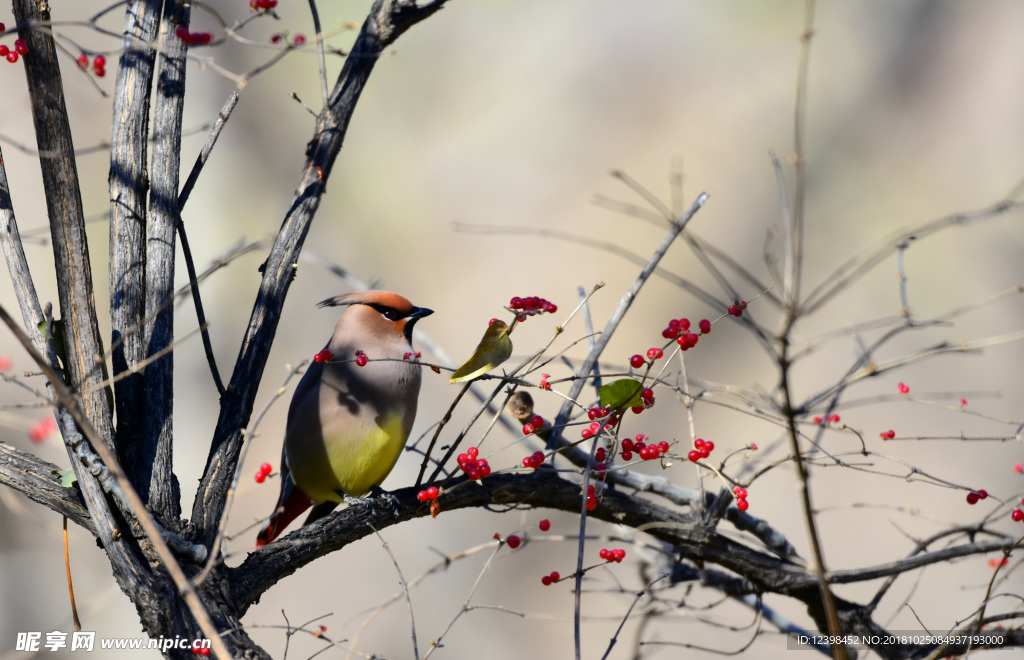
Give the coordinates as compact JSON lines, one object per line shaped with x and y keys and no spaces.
{"x":290,"y":504}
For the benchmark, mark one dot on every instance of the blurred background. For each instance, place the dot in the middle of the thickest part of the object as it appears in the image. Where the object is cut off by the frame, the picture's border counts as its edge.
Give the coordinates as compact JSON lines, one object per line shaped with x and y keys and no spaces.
{"x":512,"y":114}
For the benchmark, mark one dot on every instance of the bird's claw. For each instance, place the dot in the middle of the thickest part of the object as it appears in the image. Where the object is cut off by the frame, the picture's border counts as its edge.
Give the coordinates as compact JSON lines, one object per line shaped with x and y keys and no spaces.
{"x":370,"y":500}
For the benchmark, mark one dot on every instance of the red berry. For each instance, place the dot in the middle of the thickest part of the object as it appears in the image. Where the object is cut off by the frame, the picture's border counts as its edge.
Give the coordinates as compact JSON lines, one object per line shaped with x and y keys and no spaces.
{"x":99,"y":71}
{"x":546,"y":580}
{"x":663,"y":447}
{"x":903,"y":388}
{"x":586,"y":433}
{"x":12,"y":57}
{"x":555,"y":576}
{"x":834,"y":419}
{"x":982,"y":494}
{"x":627,"y":444}
{"x":694,"y":455}
{"x":600,"y":454}
{"x":99,"y":61}
{"x":647,"y":394}
{"x":21,"y":47}
{"x":753,"y":446}
{"x":260,"y":477}
{"x":734,"y":310}
{"x":963,"y":402}
{"x":276,"y":38}
{"x":473,"y":452}
{"x":528,"y":429}
{"x":513,"y":541}
{"x":710,"y":446}
{"x":972,"y":497}
{"x":1019,"y":467}
{"x":422,"y":496}
{"x":605,"y":554}
{"x":636,"y":361}
{"x":1017,"y":515}
{"x":182,"y":33}
{"x":485,"y":469}
{"x":299,"y":39}
{"x":705,"y":326}
{"x":544,"y":525}
{"x":670,"y":333}
{"x":618,"y":554}
{"x":637,"y":409}
{"x":591,"y":502}
{"x":432,"y":493}
{"x":627,"y":455}
{"x":266,"y":468}
{"x":361,"y":361}
{"x":740,"y":493}
{"x":552,"y":308}
{"x":742,"y":505}
{"x":705,"y":452}
{"x":654,"y":353}
{"x":4,"y":50}
{"x":83,"y":61}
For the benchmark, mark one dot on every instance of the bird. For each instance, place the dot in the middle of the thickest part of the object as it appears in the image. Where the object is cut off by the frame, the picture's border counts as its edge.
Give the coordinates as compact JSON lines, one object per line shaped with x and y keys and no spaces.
{"x":351,"y":414}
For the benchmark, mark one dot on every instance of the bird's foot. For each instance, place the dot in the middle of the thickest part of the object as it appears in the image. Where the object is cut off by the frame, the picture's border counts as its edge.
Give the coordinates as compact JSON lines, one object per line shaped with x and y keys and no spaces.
{"x":371,"y":500}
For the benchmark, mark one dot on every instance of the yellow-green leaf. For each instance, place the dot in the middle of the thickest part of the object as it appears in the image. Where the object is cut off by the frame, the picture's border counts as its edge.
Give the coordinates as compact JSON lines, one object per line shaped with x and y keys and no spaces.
{"x":624,"y":393}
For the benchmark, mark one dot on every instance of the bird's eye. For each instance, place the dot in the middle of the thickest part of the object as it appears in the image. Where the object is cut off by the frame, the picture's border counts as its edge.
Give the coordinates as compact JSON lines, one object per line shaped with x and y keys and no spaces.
{"x":390,"y":314}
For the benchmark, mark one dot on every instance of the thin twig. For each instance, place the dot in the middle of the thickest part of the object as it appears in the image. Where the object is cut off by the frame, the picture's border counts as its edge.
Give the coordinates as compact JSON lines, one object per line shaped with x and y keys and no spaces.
{"x":405,"y":590}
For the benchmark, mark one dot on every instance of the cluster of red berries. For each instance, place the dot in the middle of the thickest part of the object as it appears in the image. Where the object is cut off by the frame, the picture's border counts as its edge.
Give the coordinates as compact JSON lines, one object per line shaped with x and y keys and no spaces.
{"x":361,"y":358}
{"x":647,"y":396}
{"x":903,"y":388}
{"x":409,"y":356}
{"x":592,"y":430}
{"x":298,"y":40}
{"x":43,"y":428}
{"x":536,"y":422}
{"x":975,"y":495}
{"x":741,"y":498}
{"x":701,"y":449}
{"x":534,"y":460}
{"x":616,"y":555}
{"x":678,"y":329}
{"x":737,"y":309}
{"x":887,"y":435}
{"x":647,"y":452}
{"x":597,"y":411}
{"x":99,"y":64}
{"x":323,"y":356}
{"x":831,"y":419}
{"x":548,"y":580}
{"x":473,"y":467}
{"x":531,"y":305}
{"x":262,"y":5}
{"x":201,"y":650}
{"x":996,"y":563}
{"x":192,"y":38}
{"x":20,"y":48}
{"x":265,"y":470}
{"x":428,"y":494}
{"x":591,"y":498}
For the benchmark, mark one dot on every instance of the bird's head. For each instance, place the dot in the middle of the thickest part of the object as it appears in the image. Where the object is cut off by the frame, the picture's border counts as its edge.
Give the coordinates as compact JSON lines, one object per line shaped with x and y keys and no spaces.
{"x":379,"y":314}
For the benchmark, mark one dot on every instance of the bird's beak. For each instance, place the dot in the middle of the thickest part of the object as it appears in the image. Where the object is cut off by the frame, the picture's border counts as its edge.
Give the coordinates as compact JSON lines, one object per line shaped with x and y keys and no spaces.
{"x":418,"y":313}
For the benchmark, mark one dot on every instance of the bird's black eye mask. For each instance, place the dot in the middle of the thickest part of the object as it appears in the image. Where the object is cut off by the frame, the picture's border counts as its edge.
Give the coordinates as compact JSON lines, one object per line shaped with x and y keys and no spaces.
{"x":392,"y":314}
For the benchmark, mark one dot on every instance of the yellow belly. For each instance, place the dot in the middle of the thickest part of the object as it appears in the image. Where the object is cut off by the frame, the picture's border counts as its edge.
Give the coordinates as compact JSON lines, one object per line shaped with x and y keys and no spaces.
{"x":348,"y":460}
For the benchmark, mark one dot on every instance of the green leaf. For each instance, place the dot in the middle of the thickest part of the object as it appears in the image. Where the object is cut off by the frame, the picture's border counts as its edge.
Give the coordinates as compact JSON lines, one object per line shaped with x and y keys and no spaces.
{"x":67,"y":477}
{"x":624,"y":393}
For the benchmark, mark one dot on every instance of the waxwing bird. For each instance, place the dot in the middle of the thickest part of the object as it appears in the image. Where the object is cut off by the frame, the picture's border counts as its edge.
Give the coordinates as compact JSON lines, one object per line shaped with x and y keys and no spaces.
{"x":347,"y":424}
